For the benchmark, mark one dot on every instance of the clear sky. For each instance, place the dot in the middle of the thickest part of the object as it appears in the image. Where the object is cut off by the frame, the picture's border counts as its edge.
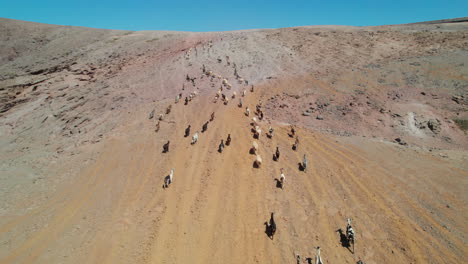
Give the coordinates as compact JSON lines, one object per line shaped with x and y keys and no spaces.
{"x":193,"y":15}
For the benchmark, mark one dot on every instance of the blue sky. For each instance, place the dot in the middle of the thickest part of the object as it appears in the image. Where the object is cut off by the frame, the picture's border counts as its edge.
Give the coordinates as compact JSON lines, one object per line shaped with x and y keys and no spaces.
{"x":228,"y":15}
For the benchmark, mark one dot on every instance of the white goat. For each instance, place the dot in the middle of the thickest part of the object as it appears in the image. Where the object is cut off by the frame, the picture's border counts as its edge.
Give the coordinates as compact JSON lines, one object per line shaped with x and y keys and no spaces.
{"x":161,"y":117}
{"x":254,"y":147}
{"x":282,"y":178}
{"x":247,"y":111}
{"x":234,"y":95}
{"x":258,"y":161}
{"x":195,"y":138}
{"x":244,"y":92}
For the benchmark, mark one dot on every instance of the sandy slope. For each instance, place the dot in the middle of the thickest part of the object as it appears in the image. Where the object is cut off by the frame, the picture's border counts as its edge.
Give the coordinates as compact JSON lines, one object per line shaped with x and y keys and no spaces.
{"x":85,"y":184}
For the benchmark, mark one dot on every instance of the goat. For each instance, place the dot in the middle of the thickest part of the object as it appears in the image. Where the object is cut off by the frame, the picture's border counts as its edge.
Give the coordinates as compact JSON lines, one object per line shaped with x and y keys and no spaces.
{"x":258,"y":132}
{"x":166,"y":147}
{"x":151,"y":115}
{"x":270,"y":132}
{"x":296,"y":143}
{"x":228,"y":140}
{"x":277,"y":153}
{"x":221,"y":146}
{"x":226,"y":101}
{"x":318,"y":259}
{"x":254,"y":121}
{"x":234,"y":95}
{"x":194,"y":138}
{"x":244,"y":92}
{"x":212,"y":117}
{"x":186,"y":100}
{"x":168,"y":109}
{"x":205,"y":127}
{"x":254,"y":148}
{"x":187,"y":131}
{"x":304,"y":162}
{"x":157,"y":127}
{"x":247,"y":111}
{"x":161,"y":116}
{"x":168,"y":179}
{"x":258,"y":161}
{"x":240,"y":102}
{"x":350,"y":233}
{"x":177,"y":99}
{"x":293,"y":132}
{"x":272,"y":226}
{"x":282,"y":178}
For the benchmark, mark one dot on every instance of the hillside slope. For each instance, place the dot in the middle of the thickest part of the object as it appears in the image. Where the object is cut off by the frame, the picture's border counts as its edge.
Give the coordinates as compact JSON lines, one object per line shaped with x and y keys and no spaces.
{"x":82,"y":164}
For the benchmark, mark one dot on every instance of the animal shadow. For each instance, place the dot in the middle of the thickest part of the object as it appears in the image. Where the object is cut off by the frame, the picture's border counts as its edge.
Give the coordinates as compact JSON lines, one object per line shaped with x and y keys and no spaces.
{"x":343,"y":239}
{"x":278,"y":184}
{"x":275,"y":158}
{"x":252,"y":151}
{"x":294,"y":147}
{"x":268,"y":231}
{"x":255,"y":165}
{"x":301,"y":167}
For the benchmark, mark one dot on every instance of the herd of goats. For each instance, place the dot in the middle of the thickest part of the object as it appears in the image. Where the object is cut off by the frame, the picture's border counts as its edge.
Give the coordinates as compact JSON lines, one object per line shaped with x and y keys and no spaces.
{"x":347,"y":239}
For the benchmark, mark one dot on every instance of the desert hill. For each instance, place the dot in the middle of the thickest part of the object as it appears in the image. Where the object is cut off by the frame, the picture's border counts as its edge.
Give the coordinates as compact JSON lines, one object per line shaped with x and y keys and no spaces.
{"x":380,"y":113}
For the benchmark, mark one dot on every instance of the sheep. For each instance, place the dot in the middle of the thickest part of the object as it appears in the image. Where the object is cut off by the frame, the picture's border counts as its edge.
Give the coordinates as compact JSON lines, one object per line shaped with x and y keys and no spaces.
{"x":160,"y":118}
{"x":187,"y":131}
{"x":205,"y":127}
{"x":166,"y":147}
{"x":247,"y":111}
{"x":226,"y":101}
{"x":241,"y":81}
{"x":304,"y":163}
{"x":258,"y":161}
{"x":157,"y":127}
{"x":186,"y":100}
{"x":168,"y":109}
{"x":234,"y":95}
{"x":177,"y":99}
{"x":194,"y":138}
{"x":244,"y":92}
{"x":240,"y":102}
{"x":282,"y":178}
{"x":221,"y":146}
{"x":254,"y":148}
{"x":151,"y":115}
{"x":168,"y":179}
{"x":228,"y":140}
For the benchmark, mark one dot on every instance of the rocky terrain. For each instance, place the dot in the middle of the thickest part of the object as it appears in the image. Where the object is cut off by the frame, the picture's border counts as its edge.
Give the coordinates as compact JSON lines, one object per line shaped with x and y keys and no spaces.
{"x":381,"y":113}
